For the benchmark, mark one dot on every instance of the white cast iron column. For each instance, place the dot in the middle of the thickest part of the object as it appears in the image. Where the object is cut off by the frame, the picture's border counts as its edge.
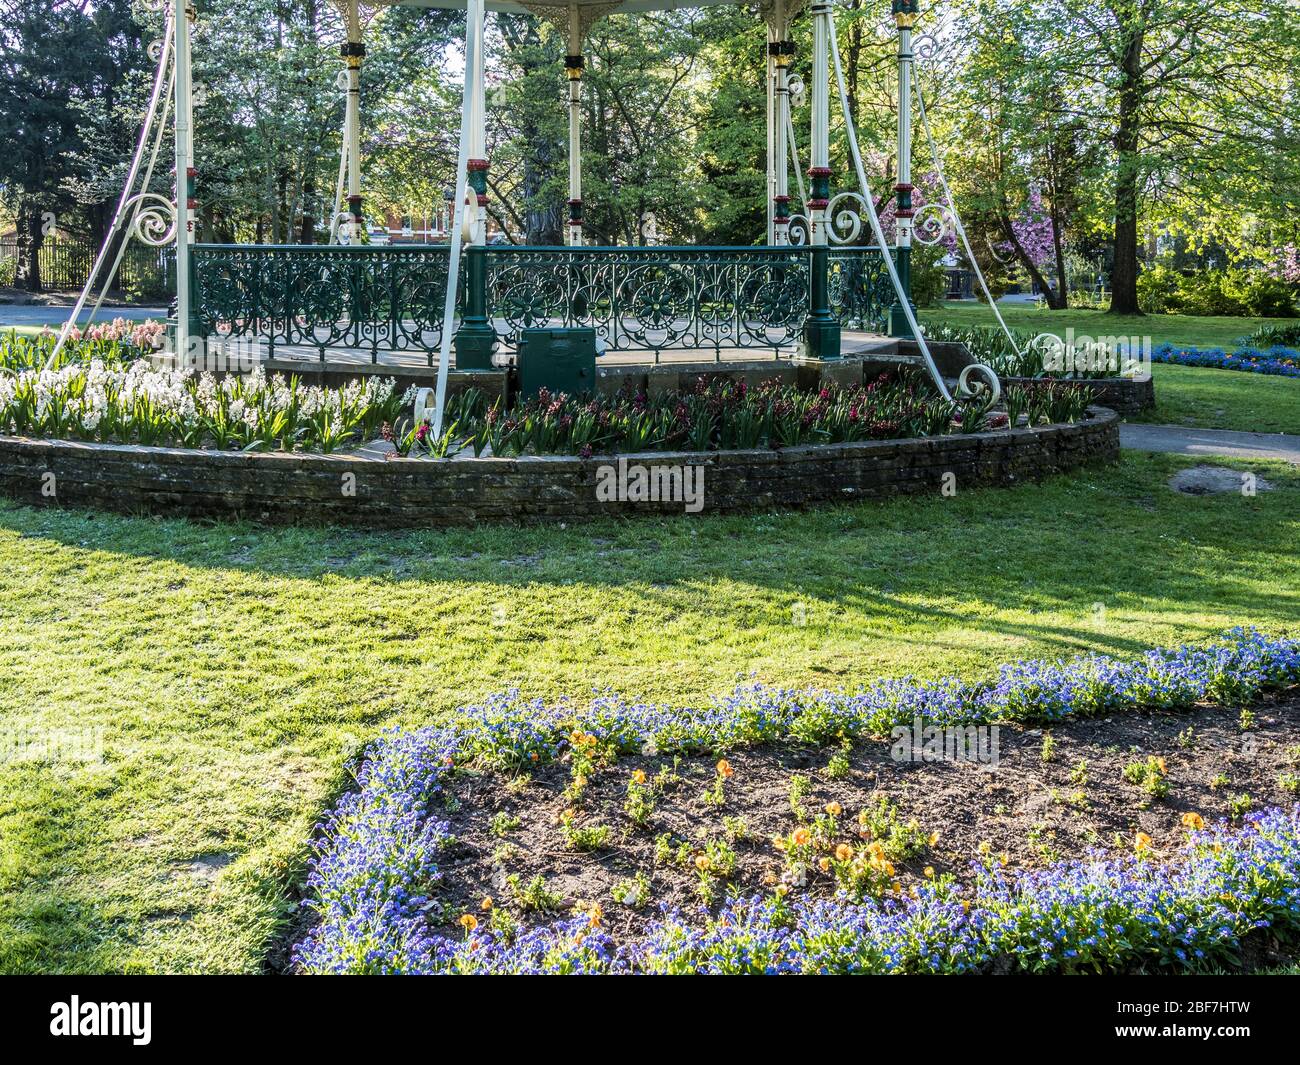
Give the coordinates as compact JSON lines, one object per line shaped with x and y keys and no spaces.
{"x":182,"y":14}
{"x":772,"y":129}
{"x":819,"y":171}
{"x":353,"y":52}
{"x":478,"y":161}
{"x":905,"y":15}
{"x":573,"y":64}
{"x":781,"y":53}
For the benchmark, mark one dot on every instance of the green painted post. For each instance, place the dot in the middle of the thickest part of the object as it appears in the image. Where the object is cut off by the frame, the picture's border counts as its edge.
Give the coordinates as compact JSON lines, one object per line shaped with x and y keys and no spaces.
{"x":821,"y":331}
{"x":898,"y":324}
{"x":475,"y":339}
{"x":193,"y":321}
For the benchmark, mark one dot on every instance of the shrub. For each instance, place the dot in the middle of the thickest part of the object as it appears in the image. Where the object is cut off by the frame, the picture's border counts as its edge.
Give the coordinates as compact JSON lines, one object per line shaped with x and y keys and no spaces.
{"x":1271,"y":336}
{"x":929,"y":276}
{"x":1157,"y":288}
{"x":1233,"y":292}
{"x":1268,"y":297}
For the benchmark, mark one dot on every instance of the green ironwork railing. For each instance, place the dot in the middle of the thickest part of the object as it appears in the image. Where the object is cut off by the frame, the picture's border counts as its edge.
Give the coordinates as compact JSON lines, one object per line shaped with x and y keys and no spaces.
{"x":650,"y":299}
{"x":860,"y":290}
{"x":654,"y":298}
{"x":367,"y":298}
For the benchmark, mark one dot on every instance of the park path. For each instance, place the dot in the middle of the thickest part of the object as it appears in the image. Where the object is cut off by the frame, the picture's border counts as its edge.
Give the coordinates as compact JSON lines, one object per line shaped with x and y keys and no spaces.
{"x":39,"y":314}
{"x":1208,"y":443}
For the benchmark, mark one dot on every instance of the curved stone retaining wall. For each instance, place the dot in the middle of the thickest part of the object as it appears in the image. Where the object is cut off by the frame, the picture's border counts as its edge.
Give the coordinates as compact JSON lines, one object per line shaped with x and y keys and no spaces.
{"x":355,"y":490}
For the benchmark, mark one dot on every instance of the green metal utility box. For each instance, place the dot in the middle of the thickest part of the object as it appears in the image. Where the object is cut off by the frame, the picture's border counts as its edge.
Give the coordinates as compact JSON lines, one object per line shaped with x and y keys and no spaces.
{"x":560,"y":360}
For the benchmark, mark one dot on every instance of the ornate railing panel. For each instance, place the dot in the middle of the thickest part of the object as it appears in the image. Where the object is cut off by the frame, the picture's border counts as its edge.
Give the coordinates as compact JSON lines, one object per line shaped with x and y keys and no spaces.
{"x":370,"y":298}
{"x":374,"y":299}
{"x":860,"y":289}
{"x":653,"y":298}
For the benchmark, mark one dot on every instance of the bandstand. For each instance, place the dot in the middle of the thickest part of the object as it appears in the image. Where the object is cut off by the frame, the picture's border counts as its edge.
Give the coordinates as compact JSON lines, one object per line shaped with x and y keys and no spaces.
{"x":825,"y":268}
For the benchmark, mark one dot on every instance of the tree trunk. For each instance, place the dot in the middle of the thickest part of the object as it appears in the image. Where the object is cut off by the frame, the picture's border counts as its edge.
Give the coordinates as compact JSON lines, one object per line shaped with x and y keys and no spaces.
{"x":1123,"y":278}
{"x":1058,"y":246}
{"x":543,"y":221}
{"x":853,"y":72}
{"x":1055,"y":299}
{"x":307,"y":234}
{"x":31,"y":235}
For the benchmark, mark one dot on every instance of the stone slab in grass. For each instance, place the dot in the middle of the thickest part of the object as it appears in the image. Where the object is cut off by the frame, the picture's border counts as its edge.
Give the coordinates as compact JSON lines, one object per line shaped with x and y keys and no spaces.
{"x":1216,"y":480}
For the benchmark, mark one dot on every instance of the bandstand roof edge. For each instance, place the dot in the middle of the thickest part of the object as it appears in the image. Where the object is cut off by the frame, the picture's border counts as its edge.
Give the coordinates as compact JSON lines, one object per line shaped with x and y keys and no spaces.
{"x":594,"y":9}
{"x":607,"y":6}
{"x":777,"y":13}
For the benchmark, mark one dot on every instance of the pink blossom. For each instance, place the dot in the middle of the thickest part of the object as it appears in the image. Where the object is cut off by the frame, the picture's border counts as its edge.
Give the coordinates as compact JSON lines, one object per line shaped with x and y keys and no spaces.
{"x":1286,"y":265}
{"x":1033,"y":230}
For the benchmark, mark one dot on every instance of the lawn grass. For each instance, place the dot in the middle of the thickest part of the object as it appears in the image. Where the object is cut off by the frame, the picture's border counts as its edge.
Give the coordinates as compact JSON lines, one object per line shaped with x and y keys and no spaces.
{"x":1162,"y":328}
{"x":234,"y":669}
{"x":1205,"y":398}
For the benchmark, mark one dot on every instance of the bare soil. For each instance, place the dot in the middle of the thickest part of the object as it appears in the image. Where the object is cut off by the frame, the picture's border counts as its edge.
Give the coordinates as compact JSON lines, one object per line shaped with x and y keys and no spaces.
{"x":1034,"y":810}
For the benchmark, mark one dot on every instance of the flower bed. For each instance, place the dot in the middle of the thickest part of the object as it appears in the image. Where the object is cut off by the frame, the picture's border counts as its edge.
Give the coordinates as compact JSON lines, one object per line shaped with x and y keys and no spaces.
{"x":133,"y":403}
{"x":991,"y":346}
{"x":374,"y":885}
{"x":112,"y":343}
{"x":1100,"y":915}
{"x":1286,"y":335}
{"x":1274,"y":361}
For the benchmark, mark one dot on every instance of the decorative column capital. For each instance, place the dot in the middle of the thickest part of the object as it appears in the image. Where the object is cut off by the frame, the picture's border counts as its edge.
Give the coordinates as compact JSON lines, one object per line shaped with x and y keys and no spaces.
{"x":819,"y":191}
{"x":906,"y":12}
{"x":352,"y":52}
{"x":477,"y":172}
{"x":904,"y":191}
{"x":782,"y":52}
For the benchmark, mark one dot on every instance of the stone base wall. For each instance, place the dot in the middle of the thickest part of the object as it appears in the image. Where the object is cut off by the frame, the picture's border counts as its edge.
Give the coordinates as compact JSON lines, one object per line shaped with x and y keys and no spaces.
{"x":355,"y":490}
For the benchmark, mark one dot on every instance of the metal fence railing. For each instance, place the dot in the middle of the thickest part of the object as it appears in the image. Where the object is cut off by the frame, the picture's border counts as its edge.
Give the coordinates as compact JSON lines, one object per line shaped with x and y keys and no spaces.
{"x":65,"y":265}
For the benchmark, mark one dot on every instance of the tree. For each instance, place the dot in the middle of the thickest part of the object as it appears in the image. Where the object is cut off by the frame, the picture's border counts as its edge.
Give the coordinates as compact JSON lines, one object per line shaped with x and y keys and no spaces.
{"x":60,"y":61}
{"x":1178,"y":91}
